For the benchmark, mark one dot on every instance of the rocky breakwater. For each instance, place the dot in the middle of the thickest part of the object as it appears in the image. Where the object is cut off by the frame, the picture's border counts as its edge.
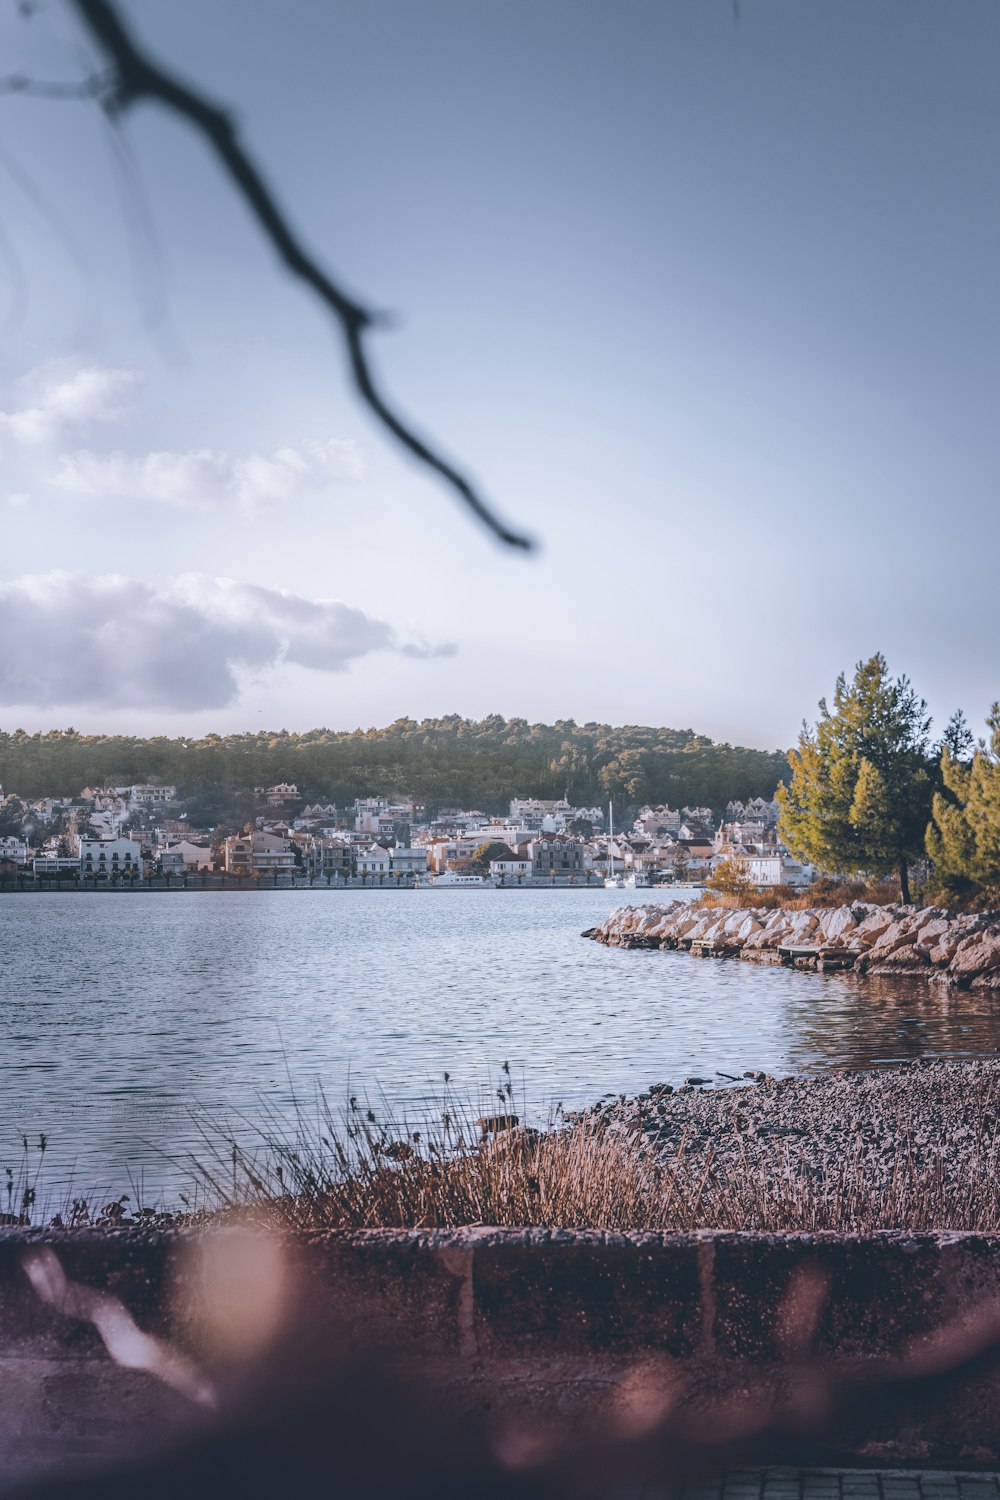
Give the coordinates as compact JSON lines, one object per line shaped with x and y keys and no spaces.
{"x":884,"y":940}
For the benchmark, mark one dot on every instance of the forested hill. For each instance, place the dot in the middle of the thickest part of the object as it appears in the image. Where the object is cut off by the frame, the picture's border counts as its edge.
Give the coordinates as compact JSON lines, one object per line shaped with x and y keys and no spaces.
{"x":442,"y":762}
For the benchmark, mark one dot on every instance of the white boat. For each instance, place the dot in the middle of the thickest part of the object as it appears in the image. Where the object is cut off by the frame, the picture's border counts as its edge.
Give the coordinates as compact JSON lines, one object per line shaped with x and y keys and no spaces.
{"x":637,"y":880}
{"x":612,"y":881}
{"x":450,"y":881}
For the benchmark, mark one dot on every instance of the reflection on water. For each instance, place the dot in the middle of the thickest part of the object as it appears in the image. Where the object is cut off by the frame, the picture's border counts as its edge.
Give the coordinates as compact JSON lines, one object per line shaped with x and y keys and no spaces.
{"x":124,"y":1014}
{"x":876,"y":1022}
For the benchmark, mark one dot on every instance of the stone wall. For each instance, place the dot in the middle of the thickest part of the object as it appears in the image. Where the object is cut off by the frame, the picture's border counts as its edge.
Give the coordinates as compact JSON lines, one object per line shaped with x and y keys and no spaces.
{"x":963,"y":949}
{"x":544,"y":1326}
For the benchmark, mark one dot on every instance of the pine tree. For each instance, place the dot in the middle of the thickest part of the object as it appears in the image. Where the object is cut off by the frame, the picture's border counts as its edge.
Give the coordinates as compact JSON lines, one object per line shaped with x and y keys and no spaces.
{"x":863,"y":779}
{"x":963,"y":839}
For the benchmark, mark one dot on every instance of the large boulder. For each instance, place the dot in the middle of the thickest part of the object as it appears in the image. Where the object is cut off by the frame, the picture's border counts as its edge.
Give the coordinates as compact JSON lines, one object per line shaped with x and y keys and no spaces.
{"x":683,"y":923}
{"x":977,"y":954}
{"x":946,"y":944}
{"x":747,"y":929}
{"x":874,"y":925}
{"x":735,"y":921}
{"x":836,"y":927}
{"x":802,"y":926}
{"x":698,"y":928}
{"x":772,"y":931}
{"x":898,"y":935}
{"x":907,"y":958}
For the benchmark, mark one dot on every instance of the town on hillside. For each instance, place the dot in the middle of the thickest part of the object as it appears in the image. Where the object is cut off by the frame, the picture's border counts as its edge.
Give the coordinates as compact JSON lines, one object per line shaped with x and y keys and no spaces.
{"x":124,"y":835}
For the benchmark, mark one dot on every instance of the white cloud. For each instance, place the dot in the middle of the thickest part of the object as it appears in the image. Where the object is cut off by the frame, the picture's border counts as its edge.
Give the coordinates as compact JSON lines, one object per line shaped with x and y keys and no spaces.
{"x":61,"y":404}
{"x":205,"y":479}
{"x":116,"y":642}
{"x":339,"y":457}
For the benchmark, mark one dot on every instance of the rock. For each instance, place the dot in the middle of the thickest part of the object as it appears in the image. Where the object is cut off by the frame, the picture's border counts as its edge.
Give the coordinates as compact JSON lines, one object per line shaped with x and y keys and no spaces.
{"x":874,"y":925}
{"x":932,"y":932}
{"x":897,"y":935}
{"x":888,"y":940}
{"x":909,"y":958}
{"x":976,"y":954}
{"x":836,"y":926}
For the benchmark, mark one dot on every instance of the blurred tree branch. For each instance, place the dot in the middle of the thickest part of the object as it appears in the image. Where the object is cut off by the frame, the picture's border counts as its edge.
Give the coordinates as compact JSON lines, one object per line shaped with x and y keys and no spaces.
{"x":132,"y":77}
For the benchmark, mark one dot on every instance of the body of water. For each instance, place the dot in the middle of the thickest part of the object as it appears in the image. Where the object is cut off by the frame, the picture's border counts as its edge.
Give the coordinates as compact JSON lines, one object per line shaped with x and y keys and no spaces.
{"x":130,"y":1021}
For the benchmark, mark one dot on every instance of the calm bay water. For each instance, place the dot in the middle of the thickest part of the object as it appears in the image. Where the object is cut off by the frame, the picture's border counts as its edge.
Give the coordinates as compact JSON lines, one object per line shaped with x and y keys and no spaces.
{"x":127,"y":1019}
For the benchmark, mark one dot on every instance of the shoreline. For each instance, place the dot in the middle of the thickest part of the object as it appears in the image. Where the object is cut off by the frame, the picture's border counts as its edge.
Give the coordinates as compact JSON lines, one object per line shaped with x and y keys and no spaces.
{"x":875,"y":1132}
{"x":961,"y":949}
{"x":216,"y":885}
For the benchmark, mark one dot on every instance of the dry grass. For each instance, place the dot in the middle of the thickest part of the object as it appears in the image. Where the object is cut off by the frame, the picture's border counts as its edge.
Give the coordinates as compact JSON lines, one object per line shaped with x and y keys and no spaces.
{"x":825,"y":892}
{"x":582,"y":1176}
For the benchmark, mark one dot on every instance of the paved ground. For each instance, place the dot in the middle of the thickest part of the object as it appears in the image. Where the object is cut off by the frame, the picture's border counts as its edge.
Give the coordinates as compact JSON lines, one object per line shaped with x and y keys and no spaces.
{"x":831,"y":1484}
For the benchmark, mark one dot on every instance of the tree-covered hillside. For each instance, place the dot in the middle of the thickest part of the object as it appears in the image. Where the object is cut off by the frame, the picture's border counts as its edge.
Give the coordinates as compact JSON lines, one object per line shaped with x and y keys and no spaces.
{"x":442,"y":762}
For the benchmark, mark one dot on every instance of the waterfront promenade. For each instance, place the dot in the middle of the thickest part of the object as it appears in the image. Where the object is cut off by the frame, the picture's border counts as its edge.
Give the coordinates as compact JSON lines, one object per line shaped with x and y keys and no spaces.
{"x":827,"y":1484}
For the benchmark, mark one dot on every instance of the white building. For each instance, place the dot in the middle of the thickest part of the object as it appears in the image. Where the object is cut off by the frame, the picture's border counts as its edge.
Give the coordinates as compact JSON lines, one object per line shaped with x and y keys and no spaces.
{"x":56,"y":864}
{"x":754,"y":811}
{"x":510,"y":871}
{"x":376,"y":815}
{"x":775,"y":868}
{"x":184,"y":856}
{"x":106,"y":857}
{"x":13,"y":849}
{"x":373,"y":860}
{"x":151,"y":796}
{"x":659,"y":822}
{"x":503,"y":831}
{"x":551,"y":815}
{"x":408,"y":861}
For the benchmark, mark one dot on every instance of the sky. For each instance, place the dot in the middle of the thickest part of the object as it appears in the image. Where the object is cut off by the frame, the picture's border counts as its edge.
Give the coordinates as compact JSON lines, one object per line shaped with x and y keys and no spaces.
{"x":705,"y":298}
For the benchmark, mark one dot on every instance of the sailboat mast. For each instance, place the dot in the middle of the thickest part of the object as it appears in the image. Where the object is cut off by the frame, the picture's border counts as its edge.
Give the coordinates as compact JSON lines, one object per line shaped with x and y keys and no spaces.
{"x":611,"y":840}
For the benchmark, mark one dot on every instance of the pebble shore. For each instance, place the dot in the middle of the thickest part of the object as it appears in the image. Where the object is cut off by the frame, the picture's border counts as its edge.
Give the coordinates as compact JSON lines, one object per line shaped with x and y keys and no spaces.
{"x":938,"y":1115}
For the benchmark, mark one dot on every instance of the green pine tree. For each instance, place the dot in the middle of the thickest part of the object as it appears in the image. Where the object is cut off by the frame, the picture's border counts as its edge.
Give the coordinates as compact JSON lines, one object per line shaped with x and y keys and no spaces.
{"x":963,"y":838}
{"x":862,"y":779}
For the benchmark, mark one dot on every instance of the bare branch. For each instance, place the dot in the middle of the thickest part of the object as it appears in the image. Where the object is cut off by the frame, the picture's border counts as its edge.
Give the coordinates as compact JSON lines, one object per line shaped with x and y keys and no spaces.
{"x":138,"y":78}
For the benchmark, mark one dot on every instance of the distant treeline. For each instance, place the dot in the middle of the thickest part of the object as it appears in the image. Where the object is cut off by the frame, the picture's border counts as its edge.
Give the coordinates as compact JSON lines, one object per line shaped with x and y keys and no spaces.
{"x":441,"y":762}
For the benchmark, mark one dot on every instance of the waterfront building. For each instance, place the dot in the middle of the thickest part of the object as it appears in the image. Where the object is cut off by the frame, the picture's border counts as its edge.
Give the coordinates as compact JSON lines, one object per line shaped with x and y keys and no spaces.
{"x":556,"y":855}
{"x":13,"y":850}
{"x":511,"y":870}
{"x":408,"y":862}
{"x":329,"y":858}
{"x":777,"y":867}
{"x":372,"y":860}
{"x":453,"y":853}
{"x":185,"y":856}
{"x":106,"y":857}
{"x":55,"y":864}
{"x":257,"y":853}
